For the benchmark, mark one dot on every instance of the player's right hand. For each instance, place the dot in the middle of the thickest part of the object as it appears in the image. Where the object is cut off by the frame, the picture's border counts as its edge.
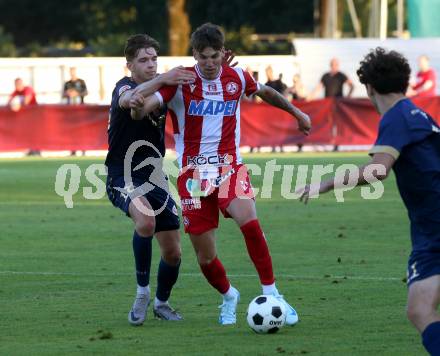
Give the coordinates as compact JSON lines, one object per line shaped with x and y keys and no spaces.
{"x":178,"y":75}
{"x":313,"y":190}
{"x":136,"y":101}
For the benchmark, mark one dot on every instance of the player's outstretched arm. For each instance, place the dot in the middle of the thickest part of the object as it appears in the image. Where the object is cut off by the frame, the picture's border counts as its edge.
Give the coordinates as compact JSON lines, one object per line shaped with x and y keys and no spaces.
{"x":175,"y":76}
{"x":272,"y":97}
{"x":377,"y":169}
{"x":141,"y":107}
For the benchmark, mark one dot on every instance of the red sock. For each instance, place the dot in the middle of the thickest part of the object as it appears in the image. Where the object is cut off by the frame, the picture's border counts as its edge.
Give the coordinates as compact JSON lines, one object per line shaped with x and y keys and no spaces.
{"x":258,"y":251}
{"x":216,"y":275}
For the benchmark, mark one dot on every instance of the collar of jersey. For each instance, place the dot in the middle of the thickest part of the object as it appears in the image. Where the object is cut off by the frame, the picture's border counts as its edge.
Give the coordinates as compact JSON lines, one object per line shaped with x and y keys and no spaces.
{"x":199,"y":73}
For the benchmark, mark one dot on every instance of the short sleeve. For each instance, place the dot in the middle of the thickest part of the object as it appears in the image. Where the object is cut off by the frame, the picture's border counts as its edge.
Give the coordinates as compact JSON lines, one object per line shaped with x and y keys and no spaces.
{"x":344,"y":78}
{"x":393,"y":136}
{"x":251,"y":85}
{"x":121,"y":88}
{"x":166,"y":93}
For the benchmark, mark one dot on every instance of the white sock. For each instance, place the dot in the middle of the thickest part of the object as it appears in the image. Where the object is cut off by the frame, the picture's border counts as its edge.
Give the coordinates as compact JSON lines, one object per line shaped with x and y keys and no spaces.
{"x":269,"y":289}
{"x":143,"y":290}
{"x":158,"y":303}
{"x":230,"y":293}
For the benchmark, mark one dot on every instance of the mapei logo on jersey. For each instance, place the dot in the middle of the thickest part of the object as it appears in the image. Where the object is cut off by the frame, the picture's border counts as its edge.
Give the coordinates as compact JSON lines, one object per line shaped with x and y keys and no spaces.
{"x":210,"y":107}
{"x":200,"y":160}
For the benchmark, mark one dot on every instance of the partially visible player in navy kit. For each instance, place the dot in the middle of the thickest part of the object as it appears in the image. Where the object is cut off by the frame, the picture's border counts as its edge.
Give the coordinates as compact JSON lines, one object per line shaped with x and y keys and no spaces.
{"x":409,"y":142}
{"x":151,"y":207}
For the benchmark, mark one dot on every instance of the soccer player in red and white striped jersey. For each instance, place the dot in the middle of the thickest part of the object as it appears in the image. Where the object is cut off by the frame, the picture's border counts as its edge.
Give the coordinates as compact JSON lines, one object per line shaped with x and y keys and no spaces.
{"x":206,"y":120}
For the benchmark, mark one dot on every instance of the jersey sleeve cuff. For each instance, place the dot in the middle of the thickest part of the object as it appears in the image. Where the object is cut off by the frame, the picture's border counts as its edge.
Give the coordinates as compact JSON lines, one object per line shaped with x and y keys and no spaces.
{"x":159,"y":97}
{"x":384,"y":149}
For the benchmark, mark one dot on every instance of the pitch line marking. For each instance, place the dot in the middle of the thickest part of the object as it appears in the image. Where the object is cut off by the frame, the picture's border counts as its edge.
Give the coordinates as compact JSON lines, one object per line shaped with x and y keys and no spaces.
{"x":284,"y":276}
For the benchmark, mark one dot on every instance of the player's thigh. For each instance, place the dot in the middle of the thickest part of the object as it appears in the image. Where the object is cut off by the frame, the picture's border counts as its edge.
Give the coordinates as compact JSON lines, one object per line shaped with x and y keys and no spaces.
{"x":423,"y":300}
{"x":142,"y":214}
{"x":236,"y":196}
{"x":242,"y":210}
{"x":204,"y":246}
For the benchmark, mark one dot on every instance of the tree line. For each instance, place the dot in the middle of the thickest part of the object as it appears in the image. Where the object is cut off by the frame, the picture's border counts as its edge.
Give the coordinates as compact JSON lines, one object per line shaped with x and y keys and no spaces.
{"x":100,"y":27}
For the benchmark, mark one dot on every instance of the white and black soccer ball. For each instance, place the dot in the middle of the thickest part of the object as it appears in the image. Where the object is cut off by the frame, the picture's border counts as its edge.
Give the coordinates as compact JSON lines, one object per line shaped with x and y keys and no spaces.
{"x":266,"y":314}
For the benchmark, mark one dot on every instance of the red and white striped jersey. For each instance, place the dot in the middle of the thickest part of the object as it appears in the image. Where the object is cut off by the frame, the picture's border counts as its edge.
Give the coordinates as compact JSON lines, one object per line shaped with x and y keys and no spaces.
{"x":206,"y":116}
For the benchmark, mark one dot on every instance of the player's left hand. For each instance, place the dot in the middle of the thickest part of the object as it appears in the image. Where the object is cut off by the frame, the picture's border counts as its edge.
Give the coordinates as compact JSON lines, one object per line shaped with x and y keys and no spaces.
{"x":178,"y":76}
{"x":228,"y":58}
{"x":304,"y":122}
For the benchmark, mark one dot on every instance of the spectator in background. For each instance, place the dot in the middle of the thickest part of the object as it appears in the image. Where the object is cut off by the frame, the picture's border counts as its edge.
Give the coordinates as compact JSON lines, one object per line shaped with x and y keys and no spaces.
{"x":333,"y":83}
{"x":21,"y":96}
{"x":426,"y":83}
{"x":280,"y":87}
{"x":276,"y":84}
{"x":75,"y":89}
{"x":297,"y":90}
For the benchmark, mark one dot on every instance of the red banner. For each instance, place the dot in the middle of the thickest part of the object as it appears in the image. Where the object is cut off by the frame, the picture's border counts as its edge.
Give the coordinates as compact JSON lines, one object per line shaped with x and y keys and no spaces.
{"x":264,"y":125}
{"x":84,"y":127}
{"x":54,"y":127}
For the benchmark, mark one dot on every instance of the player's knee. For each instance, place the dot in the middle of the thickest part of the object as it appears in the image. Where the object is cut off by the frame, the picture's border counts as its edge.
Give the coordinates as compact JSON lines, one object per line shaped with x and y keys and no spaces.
{"x":417,"y":314}
{"x":204,"y":260}
{"x":172,"y":256}
{"x":246,"y":216}
{"x":146,"y":226}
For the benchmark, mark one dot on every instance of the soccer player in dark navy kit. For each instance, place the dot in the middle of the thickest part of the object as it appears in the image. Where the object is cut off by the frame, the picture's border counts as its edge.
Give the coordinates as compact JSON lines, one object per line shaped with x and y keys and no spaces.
{"x":140,"y":189}
{"x":409,"y":143}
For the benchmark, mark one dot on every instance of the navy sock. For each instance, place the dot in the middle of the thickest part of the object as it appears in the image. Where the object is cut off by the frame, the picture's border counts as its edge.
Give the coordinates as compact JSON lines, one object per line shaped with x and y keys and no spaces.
{"x":142,"y":258}
{"x":166,"y":278}
{"x":431,"y":338}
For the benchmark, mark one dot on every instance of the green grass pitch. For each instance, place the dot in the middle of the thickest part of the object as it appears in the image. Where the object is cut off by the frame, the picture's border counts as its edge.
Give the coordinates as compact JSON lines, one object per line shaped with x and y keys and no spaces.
{"x":67,"y":282}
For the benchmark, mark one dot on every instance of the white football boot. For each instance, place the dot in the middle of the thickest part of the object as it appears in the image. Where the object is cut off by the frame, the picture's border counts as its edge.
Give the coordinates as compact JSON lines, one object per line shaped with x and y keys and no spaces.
{"x":228,"y":308}
{"x":138,"y":311}
{"x":291,"y":314}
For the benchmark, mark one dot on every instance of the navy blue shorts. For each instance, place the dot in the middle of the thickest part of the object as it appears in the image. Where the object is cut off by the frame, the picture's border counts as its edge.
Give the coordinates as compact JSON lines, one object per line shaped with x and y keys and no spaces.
{"x":422,"y":265}
{"x":167,"y":217}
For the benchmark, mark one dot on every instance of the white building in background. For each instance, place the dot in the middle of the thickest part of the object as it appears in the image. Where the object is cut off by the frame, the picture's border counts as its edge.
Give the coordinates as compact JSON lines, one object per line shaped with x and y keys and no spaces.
{"x":47,"y":75}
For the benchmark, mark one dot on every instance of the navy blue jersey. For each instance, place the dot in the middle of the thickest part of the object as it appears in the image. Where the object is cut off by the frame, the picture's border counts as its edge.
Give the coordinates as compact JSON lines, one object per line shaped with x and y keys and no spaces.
{"x":123,"y":131}
{"x":413,"y":138}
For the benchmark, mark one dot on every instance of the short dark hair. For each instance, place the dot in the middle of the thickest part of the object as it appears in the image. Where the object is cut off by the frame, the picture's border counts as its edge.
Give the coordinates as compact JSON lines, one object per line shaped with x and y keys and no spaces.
{"x":207,"y":35}
{"x":136,"y":42}
{"x":386,"y":72}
